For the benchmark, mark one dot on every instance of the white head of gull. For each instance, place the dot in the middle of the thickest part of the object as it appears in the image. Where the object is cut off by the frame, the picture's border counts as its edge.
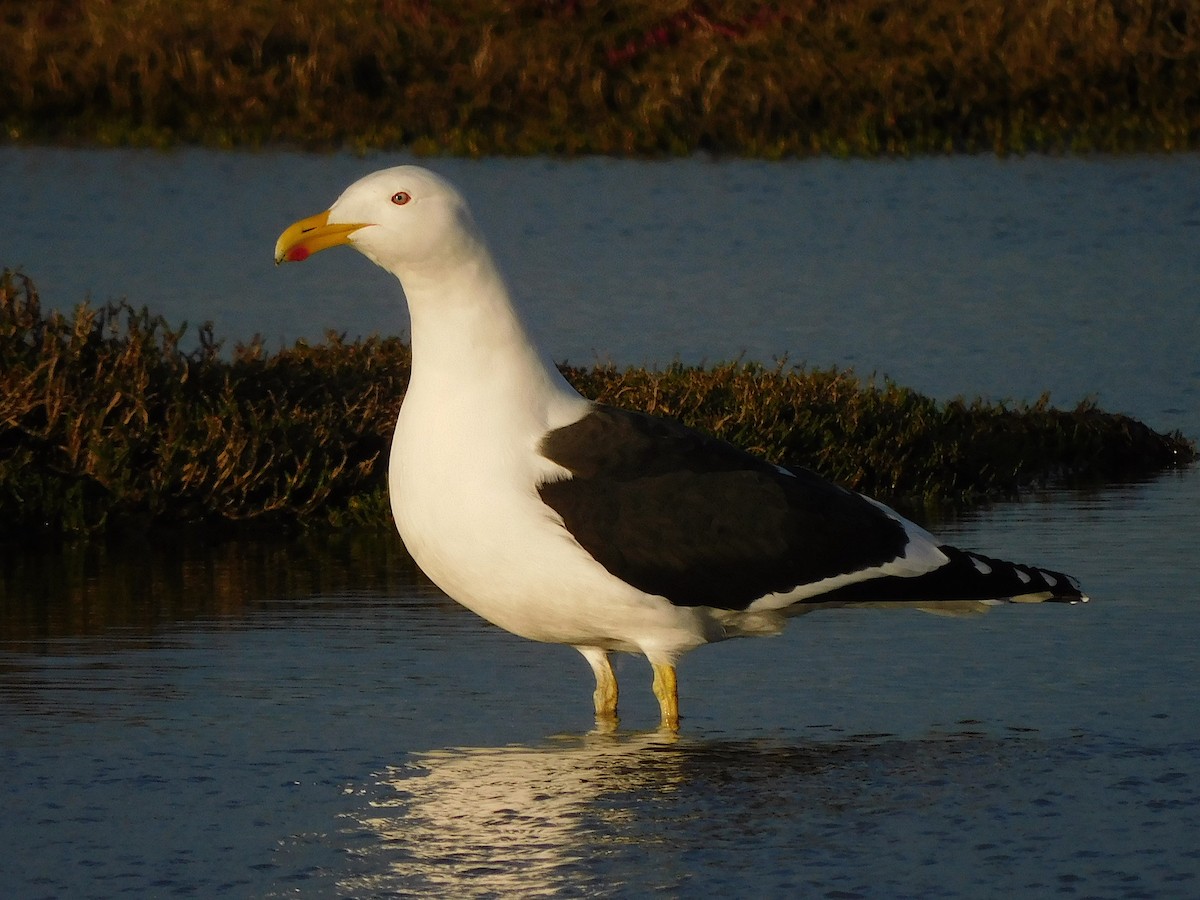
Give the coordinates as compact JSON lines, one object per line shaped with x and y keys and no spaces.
{"x":571,"y":522}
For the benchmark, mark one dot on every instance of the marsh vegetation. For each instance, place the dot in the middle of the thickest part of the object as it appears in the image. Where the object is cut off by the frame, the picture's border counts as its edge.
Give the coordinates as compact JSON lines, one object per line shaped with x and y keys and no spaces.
{"x":111,"y":417}
{"x":666,"y":77}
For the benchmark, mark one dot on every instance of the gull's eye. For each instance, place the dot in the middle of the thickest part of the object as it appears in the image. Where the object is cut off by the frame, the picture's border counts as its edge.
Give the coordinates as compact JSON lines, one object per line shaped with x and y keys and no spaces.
{"x":401,"y":197}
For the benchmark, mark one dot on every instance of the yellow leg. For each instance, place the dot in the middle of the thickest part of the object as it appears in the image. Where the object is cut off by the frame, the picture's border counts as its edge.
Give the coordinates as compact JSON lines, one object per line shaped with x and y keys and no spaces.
{"x":605,"y":696}
{"x":666,"y":690}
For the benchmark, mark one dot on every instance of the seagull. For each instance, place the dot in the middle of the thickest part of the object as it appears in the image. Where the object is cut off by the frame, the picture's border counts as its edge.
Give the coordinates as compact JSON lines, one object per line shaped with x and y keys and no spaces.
{"x":572,"y":522}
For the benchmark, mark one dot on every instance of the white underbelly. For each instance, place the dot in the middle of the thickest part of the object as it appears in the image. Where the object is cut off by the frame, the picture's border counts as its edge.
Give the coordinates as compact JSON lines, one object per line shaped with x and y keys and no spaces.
{"x":479,"y":530}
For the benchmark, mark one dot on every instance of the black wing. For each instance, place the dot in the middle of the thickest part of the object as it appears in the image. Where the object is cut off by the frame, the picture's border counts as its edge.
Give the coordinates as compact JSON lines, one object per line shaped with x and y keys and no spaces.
{"x":680,"y":514}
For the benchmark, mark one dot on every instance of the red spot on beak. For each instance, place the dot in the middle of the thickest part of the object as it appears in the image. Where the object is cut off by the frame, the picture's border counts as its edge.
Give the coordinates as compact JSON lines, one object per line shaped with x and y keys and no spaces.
{"x":299,"y":253}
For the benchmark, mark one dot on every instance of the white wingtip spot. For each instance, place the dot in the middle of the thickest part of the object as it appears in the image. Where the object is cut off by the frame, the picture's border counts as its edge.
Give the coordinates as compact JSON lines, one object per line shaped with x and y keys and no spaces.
{"x":1024,"y":576}
{"x":980,"y":566}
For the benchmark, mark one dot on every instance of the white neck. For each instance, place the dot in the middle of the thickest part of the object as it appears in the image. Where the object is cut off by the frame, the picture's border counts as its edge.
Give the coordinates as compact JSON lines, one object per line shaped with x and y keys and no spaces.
{"x":470,"y":346}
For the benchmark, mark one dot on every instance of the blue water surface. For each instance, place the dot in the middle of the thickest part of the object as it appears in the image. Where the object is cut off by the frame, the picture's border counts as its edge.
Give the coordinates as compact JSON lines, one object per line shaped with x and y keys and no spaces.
{"x":311,"y":717}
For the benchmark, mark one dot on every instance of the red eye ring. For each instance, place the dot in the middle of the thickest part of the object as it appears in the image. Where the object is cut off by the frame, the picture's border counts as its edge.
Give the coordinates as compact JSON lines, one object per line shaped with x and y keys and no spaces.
{"x":401,"y":197}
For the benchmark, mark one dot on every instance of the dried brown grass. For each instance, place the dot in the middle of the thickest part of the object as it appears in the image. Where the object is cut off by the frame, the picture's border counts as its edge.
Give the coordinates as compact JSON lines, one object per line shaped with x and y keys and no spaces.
{"x":671,"y":76}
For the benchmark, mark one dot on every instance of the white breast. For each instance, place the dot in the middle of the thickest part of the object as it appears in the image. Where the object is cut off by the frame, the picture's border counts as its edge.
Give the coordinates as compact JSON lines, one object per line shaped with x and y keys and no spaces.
{"x":463,"y":480}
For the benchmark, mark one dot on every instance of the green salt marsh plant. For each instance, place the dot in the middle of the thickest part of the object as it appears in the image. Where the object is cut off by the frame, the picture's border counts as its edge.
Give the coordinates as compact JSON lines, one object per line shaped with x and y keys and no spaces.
{"x":107,"y":421}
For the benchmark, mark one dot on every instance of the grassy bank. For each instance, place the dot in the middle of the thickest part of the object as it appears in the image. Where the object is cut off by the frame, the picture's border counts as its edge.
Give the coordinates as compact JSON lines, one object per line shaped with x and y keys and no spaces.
{"x":106,"y":422}
{"x":579,"y":76}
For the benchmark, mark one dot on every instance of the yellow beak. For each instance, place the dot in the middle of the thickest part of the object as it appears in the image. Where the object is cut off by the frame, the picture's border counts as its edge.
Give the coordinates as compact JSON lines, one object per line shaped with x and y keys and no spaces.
{"x":308,"y":236}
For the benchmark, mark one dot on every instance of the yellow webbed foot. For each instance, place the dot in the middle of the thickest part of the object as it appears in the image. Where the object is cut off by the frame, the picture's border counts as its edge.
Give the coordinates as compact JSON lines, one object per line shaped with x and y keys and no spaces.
{"x":606,"y":693}
{"x":666,"y":689}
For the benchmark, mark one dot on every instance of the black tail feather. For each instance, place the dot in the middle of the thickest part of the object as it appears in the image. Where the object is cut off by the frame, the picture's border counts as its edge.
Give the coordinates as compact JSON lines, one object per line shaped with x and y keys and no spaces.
{"x":967,"y":576}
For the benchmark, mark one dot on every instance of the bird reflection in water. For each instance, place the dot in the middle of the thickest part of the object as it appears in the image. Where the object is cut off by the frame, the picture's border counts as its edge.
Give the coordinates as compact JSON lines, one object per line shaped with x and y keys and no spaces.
{"x":516,"y":820}
{"x":580,"y":813}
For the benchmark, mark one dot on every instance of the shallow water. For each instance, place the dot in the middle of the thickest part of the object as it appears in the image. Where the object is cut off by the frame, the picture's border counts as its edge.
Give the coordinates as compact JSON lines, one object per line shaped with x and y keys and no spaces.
{"x":311,"y":717}
{"x":270,"y":735}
